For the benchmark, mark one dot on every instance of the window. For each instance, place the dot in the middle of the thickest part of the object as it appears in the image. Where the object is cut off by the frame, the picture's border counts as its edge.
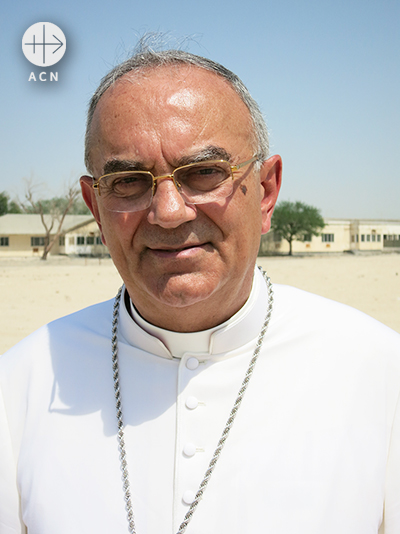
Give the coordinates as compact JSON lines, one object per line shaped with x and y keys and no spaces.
{"x":328,"y":238}
{"x":362,"y":237}
{"x":90,"y":240}
{"x":71,"y":240}
{"x":37,"y":241}
{"x":61,"y":241}
{"x":368,"y":237}
{"x":307,"y":237}
{"x":373,"y":237}
{"x":378,"y":237}
{"x":4,"y":242}
{"x":98,"y":240}
{"x":80,"y":240}
{"x":356,"y":238}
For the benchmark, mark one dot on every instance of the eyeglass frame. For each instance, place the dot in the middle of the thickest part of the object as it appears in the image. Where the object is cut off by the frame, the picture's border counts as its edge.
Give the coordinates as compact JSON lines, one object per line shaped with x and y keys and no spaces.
{"x":171,"y":176}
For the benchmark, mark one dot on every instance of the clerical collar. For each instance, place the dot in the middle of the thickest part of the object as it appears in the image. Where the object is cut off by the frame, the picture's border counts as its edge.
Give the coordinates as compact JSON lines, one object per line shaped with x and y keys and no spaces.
{"x":241,"y":328}
{"x":176,"y":342}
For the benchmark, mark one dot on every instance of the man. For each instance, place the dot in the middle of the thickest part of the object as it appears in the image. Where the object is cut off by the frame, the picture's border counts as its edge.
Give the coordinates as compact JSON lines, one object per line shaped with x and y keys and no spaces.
{"x":182,"y":188}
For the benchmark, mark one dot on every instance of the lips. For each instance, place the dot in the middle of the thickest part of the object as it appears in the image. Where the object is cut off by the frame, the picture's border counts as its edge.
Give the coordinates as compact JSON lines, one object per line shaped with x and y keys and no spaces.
{"x":177,"y":249}
{"x":183,"y":251}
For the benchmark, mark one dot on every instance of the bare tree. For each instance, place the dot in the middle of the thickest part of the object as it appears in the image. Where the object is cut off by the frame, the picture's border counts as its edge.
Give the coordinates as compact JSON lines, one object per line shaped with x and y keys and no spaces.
{"x":52,"y":212}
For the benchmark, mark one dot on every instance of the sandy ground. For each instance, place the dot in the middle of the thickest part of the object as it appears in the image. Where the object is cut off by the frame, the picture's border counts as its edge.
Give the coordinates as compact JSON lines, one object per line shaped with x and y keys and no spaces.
{"x":35,"y":292}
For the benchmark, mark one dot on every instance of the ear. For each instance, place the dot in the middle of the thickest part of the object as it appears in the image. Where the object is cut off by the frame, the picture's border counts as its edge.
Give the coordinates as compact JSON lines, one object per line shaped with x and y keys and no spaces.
{"x":270,"y":179}
{"x":89,"y":196}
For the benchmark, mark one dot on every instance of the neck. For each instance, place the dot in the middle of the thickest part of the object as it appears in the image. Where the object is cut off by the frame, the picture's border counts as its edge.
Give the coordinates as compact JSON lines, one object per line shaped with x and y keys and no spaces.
{"x":195,"y":317}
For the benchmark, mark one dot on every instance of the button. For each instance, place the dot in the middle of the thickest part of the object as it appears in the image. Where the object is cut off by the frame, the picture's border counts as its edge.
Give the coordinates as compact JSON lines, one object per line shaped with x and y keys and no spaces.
{"x":189,"y":449}
{"x":188,"y":497}
{"x":192,"y":363}
{"x":191,"y":403}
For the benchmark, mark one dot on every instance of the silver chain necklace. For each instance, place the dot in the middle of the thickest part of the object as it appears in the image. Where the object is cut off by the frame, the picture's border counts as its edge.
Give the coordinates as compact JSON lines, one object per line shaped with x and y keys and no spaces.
{"x":225,"y":433}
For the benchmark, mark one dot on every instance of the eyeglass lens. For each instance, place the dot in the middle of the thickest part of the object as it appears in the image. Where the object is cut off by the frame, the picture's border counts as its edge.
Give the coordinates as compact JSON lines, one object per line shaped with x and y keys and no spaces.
{"x":197,"y":183}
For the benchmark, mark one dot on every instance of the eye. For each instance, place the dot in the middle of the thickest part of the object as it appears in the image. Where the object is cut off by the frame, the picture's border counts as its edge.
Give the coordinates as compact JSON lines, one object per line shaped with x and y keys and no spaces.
{"x":203,"y":177}
{"x":203,"y":171}
{"x":128,"y":184}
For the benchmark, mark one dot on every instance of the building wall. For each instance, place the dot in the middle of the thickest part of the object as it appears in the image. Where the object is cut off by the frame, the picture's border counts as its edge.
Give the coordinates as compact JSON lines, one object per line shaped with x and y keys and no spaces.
{"x":23,"y":234}
{"x":337,"y":236}
{"x":80,"y":242}
{"x":391,"y":236}
{"x":341,"y":236}
{"x":84,"y":241}
{"x":366,"y":236}
{"x":20,"y":245}
{"x":374,"y":236}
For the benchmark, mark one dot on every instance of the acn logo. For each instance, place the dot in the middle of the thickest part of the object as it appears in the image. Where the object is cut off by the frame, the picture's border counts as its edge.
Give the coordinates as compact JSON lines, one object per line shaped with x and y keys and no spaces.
{"x":44,"y":44}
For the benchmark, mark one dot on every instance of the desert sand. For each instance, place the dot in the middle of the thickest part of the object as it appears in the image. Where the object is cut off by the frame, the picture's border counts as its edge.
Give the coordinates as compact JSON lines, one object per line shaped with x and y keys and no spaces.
{"x":35,"y":292}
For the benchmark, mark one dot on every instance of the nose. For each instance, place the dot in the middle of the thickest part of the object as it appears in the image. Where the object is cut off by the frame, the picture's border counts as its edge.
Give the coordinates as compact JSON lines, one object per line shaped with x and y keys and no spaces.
{"x":168,"y":208}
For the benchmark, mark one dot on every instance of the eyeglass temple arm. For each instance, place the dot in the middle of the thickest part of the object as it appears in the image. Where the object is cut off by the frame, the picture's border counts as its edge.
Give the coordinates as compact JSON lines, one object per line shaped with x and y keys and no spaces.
{"x":95,"y":185}
{"x":237,"y":167}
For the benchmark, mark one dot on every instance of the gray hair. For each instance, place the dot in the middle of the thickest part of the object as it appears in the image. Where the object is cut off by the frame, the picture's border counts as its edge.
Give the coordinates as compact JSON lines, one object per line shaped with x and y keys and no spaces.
{"x":147,"y":58}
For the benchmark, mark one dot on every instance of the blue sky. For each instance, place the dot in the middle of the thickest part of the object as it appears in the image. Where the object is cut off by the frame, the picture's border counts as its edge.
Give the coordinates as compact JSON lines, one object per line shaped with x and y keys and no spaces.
{"x":325,"y":73}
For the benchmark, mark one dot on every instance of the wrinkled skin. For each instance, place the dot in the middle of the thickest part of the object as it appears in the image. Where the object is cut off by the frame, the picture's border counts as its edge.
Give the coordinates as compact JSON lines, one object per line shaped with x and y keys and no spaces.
{"x":186,"y":267}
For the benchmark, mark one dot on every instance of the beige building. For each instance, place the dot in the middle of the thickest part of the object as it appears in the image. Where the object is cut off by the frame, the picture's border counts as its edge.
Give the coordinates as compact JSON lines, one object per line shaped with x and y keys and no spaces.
{"x":24,"y":235}
{"x":341,"y":235}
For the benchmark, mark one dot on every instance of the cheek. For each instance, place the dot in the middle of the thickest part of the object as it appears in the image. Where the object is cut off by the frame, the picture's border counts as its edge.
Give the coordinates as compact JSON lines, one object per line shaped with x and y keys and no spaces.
{"x":247,"y":221}
{"x":239,"y":220}
{"x":118,"y":229}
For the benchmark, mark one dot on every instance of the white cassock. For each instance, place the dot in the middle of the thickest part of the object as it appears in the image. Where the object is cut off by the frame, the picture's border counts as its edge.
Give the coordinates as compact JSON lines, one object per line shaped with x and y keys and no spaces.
{"x":315,"y":447}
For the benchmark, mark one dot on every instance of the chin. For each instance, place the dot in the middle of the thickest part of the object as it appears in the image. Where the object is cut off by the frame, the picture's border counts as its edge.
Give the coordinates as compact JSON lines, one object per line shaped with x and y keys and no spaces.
{"x":180,"y":291}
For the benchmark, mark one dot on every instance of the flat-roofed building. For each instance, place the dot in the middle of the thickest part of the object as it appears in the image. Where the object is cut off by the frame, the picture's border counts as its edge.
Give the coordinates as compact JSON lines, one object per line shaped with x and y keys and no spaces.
{"x":24,"y":235}
{"x":341,"y":235}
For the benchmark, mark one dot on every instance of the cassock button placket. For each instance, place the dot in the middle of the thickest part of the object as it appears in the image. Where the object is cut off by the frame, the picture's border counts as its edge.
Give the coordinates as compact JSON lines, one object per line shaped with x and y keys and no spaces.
{"x":191,"y":403}
{"x":189,"y":449}
{"x":192,"y":363}
{"x":188,"y":497}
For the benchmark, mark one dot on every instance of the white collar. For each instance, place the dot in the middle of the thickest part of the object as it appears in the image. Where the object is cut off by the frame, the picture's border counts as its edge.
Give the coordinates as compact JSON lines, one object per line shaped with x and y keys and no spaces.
{"x":240,"y":329}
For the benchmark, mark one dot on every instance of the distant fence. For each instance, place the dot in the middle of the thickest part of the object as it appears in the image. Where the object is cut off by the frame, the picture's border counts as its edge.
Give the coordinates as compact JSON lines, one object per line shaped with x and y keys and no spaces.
{"x":391,"y":243}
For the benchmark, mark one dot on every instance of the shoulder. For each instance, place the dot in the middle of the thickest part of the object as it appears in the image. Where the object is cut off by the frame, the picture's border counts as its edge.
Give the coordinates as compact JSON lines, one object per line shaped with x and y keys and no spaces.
{"x":296,"y":303}
{"x":317,"y":320}
{"x":68,"y":333}
{"x":328,"y":345}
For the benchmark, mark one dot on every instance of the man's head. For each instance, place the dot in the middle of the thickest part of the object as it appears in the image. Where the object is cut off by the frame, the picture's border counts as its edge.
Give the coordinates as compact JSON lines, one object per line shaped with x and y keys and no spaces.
{"x":147,"y":59}
{"x":186,"y":266}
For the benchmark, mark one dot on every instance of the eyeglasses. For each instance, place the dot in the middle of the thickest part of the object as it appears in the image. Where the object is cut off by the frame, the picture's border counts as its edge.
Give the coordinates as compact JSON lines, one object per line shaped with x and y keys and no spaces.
{"x":198,"y":183}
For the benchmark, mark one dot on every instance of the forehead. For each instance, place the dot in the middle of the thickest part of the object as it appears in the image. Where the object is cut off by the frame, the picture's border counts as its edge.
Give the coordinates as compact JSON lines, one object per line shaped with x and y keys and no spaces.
{"x":180,"y":105}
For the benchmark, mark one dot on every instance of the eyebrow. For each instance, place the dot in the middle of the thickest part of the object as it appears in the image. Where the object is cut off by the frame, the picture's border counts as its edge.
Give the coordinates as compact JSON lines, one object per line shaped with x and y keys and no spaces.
{"x":121,"y":165}
{"x":208,"y":153}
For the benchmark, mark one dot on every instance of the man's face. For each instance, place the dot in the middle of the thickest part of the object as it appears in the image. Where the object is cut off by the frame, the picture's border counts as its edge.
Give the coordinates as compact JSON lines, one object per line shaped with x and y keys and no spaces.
{"x":186,"y":267}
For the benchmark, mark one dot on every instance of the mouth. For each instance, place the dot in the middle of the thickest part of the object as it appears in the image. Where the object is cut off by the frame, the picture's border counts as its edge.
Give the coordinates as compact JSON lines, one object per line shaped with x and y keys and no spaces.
{"x":185,"y":251}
